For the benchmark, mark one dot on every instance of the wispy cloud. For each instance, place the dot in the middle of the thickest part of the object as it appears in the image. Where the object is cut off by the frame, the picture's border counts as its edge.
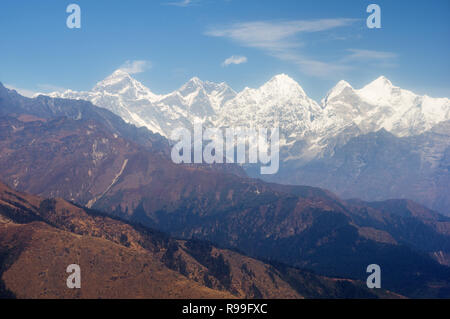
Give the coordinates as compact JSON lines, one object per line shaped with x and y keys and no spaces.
{"x":24,"y":92}
{"x":41,"y":89}
{"x":358,"y":54}
{"x":234,"y":59}
{"x":135,"y":66}
{"x":374,"y":58}
{"x":183,"y":3}
{"x":283,"y":40}
{"x":50,"y":88}
{"x":274,"y":36}
{"x":311,"y":66}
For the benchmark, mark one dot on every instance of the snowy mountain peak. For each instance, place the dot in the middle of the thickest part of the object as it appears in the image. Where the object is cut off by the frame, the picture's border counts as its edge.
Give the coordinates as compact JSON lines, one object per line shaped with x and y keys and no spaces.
{"x":381,"y":91}
{"x":341,"y":85}
{"x":121,"y":82}
{"x":191,"y":86}
{"x":380,"y":104}
{"x":336,"y":91}
{"x":195,"y":81}
{"x":379,"y":86}
{"x":281,"y":79}
{"x":212,"y":86}
{"x":120,"y":73}
{"x":382,"y":80}
{"x":116,"y":77}
{"x":280,"y":101}
{"x":282,"y":84}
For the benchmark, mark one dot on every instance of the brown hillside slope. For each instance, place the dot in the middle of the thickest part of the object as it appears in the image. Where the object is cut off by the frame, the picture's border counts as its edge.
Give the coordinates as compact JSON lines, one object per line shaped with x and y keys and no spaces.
{"x":40,"y":238}
{"x":108,"y":270}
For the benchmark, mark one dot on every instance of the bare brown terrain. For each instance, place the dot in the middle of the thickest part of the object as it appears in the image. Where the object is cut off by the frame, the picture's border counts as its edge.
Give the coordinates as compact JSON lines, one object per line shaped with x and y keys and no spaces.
{"x":40,"y":238}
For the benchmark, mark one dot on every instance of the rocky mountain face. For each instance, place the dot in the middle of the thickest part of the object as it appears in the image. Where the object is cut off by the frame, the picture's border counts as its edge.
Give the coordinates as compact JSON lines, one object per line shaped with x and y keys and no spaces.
{"x":43,"y":107}
{"x":81,"y":160}
{"x":41,"y":237}
{"x":281,"y":101}
{"x":312,"y":134}
{"x":379,"y":165}
{"x":121,"y":94}
{"x":381,"y":105}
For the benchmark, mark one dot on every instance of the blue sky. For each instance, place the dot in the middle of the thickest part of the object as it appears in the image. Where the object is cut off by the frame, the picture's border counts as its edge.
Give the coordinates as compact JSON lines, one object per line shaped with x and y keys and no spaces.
{"x":315,"y":42}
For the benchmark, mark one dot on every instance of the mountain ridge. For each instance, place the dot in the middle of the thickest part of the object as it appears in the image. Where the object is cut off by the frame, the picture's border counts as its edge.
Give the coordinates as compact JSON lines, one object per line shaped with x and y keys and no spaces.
{"x":281,"y":89}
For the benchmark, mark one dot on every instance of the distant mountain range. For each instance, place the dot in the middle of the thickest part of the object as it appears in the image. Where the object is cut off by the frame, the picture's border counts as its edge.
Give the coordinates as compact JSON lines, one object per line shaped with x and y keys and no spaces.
{"x":85,"y":154}
{"x":314,"y":136}
{"x":136,"y":104}
{"x":281,"y":101}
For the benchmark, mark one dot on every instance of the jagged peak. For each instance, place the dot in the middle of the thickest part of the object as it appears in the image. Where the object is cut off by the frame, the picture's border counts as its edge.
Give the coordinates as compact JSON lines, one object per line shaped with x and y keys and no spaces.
{"x":120,"y":72}
{"x":377,"y":91}
{"x":379,"y":83}
{"x":282,"y":77}
{"x":336,"y":90}
{"x":117,"y":76}
{"x":342,"y":84}
{"x":122,"y":80}
{"x":195,"y":81}
{"x":190,"y":86}
{"x":221,"y":87}
{"x":383,"y":79}
{"x":283,"y":83}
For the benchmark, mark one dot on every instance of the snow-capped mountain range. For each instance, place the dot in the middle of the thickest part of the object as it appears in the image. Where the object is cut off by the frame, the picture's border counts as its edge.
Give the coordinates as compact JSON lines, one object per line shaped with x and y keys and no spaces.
{"x":307,"y":128}
{"x":123,"y":95}
{"x":380,"y":104}
{"x":374,"y":143}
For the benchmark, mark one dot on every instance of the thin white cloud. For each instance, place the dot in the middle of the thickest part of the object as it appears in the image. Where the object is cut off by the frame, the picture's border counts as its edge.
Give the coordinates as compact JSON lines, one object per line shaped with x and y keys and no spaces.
{"x":313,"y":67}
{"x":358,"y":54}
{"x":372,"y":58}
{"x":234,"y":59}
{"x":51,"y":88}
{"x":183,"y":3}
{"x":24,"y":92}
{"x":274,"y":35}
{"x":281,"y":40}
{"x":41,"y":89}
{"x":135,"y":66}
